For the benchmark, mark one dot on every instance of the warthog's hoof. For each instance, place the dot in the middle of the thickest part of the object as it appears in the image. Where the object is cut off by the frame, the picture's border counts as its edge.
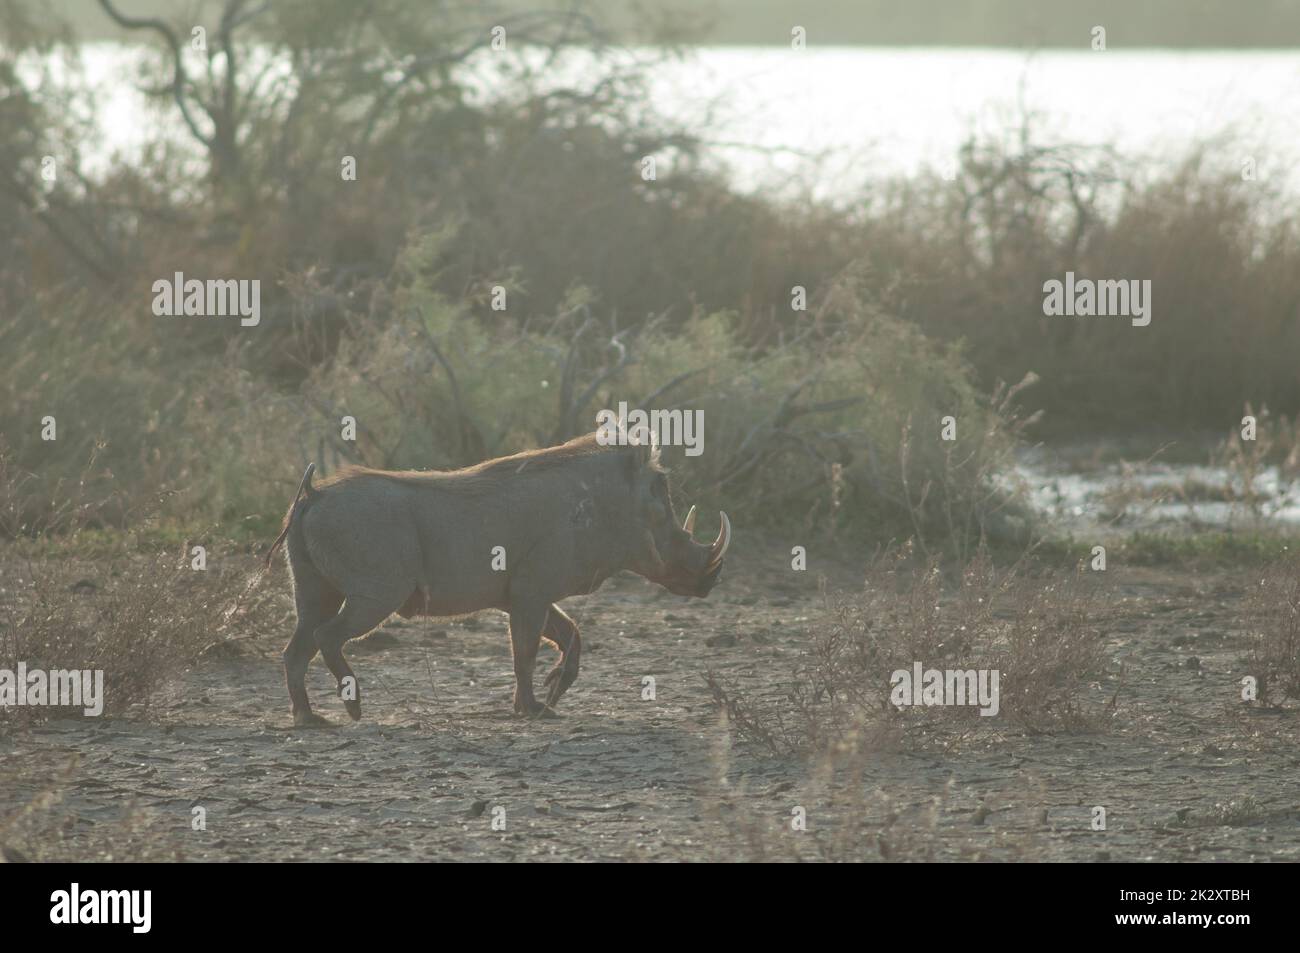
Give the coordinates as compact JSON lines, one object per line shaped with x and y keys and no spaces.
{"x":553,"y":697}
{"x":309,"y":719}
{"x":535,"y":709}
{"x":558,"y":685}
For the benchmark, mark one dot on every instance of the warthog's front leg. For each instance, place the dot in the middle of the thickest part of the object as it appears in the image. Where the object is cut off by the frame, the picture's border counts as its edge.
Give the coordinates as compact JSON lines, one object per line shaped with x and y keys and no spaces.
{"x":526,"y":624}
{"x":562,"y":630}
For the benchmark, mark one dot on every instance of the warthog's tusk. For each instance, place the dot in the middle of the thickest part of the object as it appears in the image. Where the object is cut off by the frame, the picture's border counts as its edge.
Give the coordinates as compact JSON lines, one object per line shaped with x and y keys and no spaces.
{"x":689,"y":523}
{"x":721,"y":543}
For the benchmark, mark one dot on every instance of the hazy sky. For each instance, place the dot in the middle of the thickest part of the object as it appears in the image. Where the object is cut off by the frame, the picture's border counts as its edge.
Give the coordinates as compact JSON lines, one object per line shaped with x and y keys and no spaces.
{"x":1005,"y":23}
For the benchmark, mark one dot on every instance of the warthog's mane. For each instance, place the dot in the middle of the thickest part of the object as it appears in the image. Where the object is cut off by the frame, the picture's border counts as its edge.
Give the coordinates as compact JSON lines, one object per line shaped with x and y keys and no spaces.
{"x":527,"y":461}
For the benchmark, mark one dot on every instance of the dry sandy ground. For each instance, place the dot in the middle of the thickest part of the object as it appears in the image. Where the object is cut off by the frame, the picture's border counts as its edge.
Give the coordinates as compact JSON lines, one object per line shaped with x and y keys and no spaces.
{"x":1184,"y":772}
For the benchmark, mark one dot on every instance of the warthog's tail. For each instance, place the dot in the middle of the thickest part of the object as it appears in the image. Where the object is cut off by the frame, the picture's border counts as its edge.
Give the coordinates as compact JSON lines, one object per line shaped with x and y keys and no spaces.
{"x":304,"y":487}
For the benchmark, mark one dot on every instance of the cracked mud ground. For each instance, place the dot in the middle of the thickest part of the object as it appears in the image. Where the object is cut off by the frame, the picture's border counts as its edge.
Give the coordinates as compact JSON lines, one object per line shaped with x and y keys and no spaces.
{"x":1184,"y":771}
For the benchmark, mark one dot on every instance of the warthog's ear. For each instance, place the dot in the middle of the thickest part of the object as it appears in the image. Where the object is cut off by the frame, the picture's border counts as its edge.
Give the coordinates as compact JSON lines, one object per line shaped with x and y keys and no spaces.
{"x":643,"y":448}
{"x":646,"y":444}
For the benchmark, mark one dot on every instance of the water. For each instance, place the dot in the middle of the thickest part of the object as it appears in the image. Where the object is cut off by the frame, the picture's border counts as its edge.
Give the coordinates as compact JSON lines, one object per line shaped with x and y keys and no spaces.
{"x":838,"y":117}
{"x":886,"y":111}
{"x":1087,"y":496}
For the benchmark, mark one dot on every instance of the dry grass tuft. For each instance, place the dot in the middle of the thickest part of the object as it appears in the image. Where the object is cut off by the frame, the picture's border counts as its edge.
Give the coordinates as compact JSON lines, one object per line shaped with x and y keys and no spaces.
{"x":1035,"y":629}
{"x":1273,"y":614}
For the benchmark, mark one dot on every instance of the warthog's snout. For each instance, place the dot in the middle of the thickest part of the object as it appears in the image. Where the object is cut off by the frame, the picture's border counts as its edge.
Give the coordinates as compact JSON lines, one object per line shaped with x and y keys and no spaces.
{"x":692,"y":568}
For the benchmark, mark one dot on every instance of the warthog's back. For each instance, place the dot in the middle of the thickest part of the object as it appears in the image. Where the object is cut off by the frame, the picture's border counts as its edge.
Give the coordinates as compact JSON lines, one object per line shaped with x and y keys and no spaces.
{"x":455,"y":536}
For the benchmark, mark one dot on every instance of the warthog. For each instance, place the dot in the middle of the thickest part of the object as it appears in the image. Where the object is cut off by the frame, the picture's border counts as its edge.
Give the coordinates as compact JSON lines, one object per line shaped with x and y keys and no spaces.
{"x":365,"y":544}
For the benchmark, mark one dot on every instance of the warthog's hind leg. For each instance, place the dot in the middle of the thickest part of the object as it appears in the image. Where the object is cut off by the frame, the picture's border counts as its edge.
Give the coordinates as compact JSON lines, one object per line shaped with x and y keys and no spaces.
{"x":358,"y":616}
{"x":316,"y":601}
{"x":561,"y":630}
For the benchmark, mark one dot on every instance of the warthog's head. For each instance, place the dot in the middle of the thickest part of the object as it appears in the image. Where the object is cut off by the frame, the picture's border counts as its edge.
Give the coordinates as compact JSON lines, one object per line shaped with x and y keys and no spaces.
{"x":665,"y":551}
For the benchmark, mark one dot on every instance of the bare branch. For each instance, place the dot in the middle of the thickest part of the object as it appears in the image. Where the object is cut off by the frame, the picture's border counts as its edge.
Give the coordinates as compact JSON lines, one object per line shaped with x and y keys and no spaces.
{"x":179,"y":78}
